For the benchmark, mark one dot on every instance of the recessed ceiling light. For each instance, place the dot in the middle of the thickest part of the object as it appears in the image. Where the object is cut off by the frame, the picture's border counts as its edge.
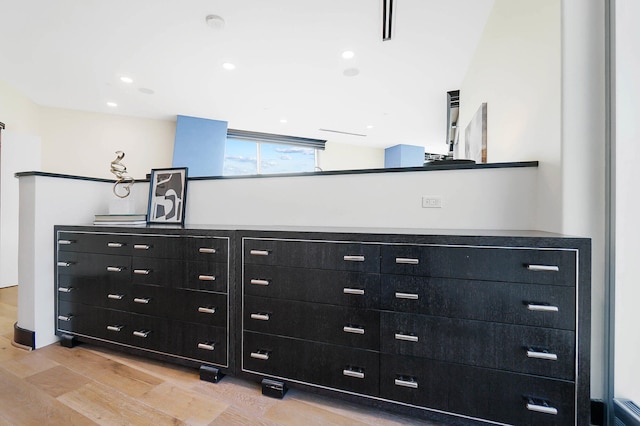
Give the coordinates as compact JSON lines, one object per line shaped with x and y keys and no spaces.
{"x":369,"y":126}
{"x":127,"y":80}
{"x":228,"y":66}
{"x":112,"y":104}
{"x":214,"y":21}
{"x":284,"y":120}
{"x":348,"y":54}
{"x":351,"y":72}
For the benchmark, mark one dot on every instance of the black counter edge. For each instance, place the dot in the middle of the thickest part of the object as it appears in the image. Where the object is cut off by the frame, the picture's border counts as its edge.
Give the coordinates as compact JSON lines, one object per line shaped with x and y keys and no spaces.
{"x":429,"y":168}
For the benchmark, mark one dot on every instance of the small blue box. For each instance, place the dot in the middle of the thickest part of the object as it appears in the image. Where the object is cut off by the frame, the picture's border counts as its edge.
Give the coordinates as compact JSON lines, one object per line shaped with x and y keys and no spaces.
{"x":404,"y":156}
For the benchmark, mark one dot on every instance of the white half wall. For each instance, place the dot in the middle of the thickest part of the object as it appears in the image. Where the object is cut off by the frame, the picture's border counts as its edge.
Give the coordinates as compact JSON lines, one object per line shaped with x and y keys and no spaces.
{"x":18,"y":152}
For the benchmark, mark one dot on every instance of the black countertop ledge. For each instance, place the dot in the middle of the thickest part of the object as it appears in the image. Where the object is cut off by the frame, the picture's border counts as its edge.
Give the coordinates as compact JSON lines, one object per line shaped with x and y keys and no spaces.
{"x":431,"y":167}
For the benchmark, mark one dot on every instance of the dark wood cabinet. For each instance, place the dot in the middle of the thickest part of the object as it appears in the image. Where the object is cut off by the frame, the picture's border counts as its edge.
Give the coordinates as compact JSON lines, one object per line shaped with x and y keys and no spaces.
{"x":166,"y":294}
{"x":482,"y":328}
{"x":469,"y":328}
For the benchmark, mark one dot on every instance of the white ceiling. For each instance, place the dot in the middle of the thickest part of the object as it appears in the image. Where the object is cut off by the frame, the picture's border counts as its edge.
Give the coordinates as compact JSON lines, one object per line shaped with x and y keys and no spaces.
{"x":72,"y":53}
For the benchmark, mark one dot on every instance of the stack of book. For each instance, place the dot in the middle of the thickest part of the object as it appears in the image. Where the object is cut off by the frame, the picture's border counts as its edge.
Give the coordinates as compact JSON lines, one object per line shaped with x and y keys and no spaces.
{"x":120,"y":219}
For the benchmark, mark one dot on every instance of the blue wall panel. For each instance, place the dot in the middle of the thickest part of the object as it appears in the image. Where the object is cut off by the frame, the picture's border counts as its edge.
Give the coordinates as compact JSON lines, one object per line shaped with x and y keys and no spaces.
{"x":199,"y":145}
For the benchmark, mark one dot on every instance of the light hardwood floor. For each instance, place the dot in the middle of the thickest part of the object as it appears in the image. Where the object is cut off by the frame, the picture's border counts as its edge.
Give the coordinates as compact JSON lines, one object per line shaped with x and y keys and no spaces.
{"x":90,"y":385}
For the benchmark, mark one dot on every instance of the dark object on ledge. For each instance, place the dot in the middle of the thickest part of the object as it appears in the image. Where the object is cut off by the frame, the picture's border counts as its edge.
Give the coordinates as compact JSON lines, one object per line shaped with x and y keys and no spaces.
{"x":448,"y":162}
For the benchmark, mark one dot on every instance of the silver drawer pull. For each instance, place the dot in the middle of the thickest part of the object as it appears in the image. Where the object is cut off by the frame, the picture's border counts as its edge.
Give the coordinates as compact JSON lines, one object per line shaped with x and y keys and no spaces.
{"x":353,"y":258}
{"x":65,"y":242}
{"x":142,"y":271}
{"x":406,"y":383}
{"x":353,"y":373}
{"x":206,"y":346}
{"x":207,"y":250}
{"x":114,"y":245}
{"x":354,"y":330}
{"x":407,"y":261}
{"x":141,"y":246}
{"x":261,"y":317}
{"x":259,"y":252}
{"x":207,"y":310}
{"x":260,"y":355}
{"x":541,"y":308}
{"x":406,"y":337}
{"x":115,"y":296}
{"x":65,"y":289}
{"x":141,"y":333}
{"x":260,"y":282}
{"x":117,"y":328}
{"x":531,"y":353}
{"x":206,"y":277}
{"x":64,"y":264}
{"x":543,"y":268}
{"x":143,"y":300}
{"x":65,"y":317}
{"x":356,"y":291}
{"x":542,"y":408}
{"x":114,"y":269}
{"x":410,"y":296}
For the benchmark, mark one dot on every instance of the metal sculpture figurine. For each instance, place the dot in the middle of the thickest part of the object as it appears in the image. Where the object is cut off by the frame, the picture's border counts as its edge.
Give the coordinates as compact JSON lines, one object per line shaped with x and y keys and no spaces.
{"x":120,"y":170}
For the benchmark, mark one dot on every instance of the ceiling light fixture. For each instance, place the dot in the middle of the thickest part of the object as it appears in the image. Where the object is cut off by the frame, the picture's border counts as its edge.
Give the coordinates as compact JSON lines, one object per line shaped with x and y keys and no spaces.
{"x":228,"y":66}
{"x":214,"y":21}
{"x":348,"y":54}
{"x":283,"y":121}
{"x":127,"y":80}
{"x":112,"y":104}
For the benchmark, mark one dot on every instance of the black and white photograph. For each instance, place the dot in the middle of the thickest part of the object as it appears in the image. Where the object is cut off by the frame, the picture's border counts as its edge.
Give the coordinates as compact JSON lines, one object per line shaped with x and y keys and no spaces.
{"x":167,"y":195}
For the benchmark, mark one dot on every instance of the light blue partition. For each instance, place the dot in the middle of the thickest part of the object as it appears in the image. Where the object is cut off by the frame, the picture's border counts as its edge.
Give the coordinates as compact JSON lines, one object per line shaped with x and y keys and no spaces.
{"x":404,"y":156}
{"x":199,"y":145}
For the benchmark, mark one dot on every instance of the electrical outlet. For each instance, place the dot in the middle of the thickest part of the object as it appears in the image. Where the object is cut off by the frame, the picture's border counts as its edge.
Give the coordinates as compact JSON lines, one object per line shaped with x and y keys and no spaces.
{"x":431,"y":202}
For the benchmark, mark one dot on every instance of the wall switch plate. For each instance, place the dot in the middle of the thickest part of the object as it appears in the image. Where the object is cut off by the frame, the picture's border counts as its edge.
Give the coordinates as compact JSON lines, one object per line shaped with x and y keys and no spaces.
{"x":431,"y":202}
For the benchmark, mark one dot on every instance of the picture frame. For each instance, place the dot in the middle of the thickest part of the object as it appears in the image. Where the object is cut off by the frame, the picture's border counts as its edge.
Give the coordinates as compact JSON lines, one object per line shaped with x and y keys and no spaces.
{"x":167,"y":196}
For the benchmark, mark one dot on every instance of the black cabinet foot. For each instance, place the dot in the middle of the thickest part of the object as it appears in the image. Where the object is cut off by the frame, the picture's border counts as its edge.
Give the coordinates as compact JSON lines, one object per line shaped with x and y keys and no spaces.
{"x":68,"y":341}
{"x":210,"y":374}
{"x":273,"y":388}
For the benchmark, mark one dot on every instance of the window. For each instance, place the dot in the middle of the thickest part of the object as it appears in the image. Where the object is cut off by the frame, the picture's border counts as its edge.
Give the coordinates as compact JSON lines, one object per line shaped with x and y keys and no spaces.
{"x":248,"y":153}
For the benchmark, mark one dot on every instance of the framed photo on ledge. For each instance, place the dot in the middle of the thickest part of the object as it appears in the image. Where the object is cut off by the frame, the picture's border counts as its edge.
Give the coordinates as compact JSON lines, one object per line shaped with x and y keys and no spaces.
{"x":167,"y":196}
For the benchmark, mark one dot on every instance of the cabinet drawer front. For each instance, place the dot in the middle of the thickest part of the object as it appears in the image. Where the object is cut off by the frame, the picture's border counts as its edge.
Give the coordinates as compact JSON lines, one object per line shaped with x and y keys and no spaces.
{"x":554,"y":267}
{"x":150,"y":300}
{"x":477,"y":392}
{"x":109,"y":269}
{"x":93,"y":291}
{"x":354,"y":289}
{"x":83,"y":242}
{"x":107,"y":324}
{"x":313,"y":363}
{"x":207,"y":249}
{"x":165,"y":246}
{"x":358,"y":328}
{"x":515,"y":303}
{"x":533,"y":350}
{"x":203,"y":343}
{"x":158,"y":272}
{"x":198,"y":307}
{"x":320,"y":255}
{"x":154,"y":333}
{"x":206,"y":276}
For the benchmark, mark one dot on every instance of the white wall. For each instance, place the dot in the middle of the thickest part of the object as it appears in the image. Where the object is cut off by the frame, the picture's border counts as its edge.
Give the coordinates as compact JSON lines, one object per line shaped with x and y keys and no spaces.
{"x":17,"y":111}
{"x":84,"y":143}
{"x":627,"y":282}
{"x":19,"y":152}
{"x":340,"y":156}
{"x":471,"y":199}
{"x":516,"y":70}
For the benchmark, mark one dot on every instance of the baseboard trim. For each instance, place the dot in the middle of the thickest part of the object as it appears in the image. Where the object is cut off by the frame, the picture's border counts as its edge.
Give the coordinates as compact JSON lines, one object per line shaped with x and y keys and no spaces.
{"x":23,"y":337}
{"x":598,"y":410}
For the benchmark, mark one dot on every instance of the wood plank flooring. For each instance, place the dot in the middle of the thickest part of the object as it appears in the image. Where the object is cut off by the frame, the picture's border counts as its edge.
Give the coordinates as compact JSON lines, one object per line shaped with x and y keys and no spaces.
{"x":89,"y":385}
